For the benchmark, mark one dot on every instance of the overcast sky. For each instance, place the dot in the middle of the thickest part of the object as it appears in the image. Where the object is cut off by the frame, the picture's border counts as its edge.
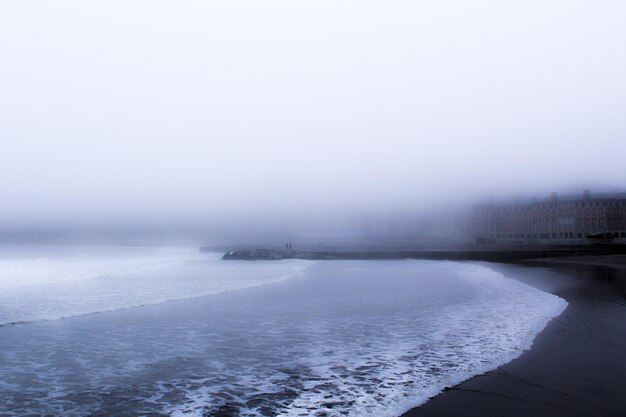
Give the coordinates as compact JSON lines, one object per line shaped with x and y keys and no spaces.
{"x":118,"y":106}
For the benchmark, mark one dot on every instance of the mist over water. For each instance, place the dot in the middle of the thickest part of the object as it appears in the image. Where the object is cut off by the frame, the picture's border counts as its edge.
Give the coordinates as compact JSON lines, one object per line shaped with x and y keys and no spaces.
{"x":132,"y":133}
{"x":245,"y":112}
{"x":59,"y":283}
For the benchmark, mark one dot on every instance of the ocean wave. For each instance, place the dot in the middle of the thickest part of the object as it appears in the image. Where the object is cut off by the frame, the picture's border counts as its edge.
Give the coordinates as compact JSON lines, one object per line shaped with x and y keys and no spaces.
{"x":359,"y":338}
{"x":43,"y":289}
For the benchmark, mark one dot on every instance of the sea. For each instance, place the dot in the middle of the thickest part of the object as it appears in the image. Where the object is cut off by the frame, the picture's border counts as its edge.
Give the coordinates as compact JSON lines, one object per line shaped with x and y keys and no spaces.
{"x":151,"y":331}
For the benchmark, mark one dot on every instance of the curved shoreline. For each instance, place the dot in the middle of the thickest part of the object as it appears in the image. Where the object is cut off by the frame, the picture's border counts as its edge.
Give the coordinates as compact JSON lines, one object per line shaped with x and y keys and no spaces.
{"x":575,"y":366}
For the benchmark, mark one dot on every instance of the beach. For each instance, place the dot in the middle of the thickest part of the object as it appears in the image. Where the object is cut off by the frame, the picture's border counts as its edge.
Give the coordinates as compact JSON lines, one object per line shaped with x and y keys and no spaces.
{"x":169,"y":331}
{"x":576,"y":364}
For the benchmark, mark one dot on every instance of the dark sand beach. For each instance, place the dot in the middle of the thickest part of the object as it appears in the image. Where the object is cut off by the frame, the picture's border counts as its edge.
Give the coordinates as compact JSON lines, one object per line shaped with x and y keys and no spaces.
{"x":577,"y":364}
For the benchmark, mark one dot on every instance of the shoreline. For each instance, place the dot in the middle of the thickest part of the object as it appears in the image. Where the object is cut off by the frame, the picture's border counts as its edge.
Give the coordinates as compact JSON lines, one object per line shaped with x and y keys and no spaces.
{"x":608,"y":261}
{"x":491,"y":254}
{"x":575,"y":365}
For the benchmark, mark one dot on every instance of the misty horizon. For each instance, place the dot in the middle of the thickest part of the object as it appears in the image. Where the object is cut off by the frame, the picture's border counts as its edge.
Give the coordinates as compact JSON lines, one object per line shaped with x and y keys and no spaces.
{"x":217,"y":112}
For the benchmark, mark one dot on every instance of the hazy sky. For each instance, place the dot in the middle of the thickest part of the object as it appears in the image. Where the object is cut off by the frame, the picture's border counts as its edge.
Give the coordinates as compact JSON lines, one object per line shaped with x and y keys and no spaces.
{"x":117,"y":106}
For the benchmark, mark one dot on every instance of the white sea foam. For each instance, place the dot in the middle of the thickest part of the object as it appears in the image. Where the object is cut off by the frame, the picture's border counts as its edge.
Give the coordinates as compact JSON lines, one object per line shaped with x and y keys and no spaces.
{"x":374,"y":357}
{"x":84,"y":263}
{"x":81,"y":281}
{"x":359,"y":338}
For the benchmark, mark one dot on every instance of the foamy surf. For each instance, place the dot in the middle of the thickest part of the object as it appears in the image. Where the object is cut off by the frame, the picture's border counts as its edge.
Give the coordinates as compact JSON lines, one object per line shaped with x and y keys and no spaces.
{"x":82,"y":281}
{"x":389,"y":362}
{"x":358,"y":338}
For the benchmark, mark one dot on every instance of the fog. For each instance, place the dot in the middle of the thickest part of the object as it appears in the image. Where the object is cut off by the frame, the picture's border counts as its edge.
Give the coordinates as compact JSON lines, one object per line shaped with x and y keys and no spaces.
{"x":221,"y":111}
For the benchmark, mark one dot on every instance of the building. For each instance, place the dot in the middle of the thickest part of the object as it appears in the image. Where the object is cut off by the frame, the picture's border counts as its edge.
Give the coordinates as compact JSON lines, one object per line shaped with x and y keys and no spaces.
{"x":586,"y":218}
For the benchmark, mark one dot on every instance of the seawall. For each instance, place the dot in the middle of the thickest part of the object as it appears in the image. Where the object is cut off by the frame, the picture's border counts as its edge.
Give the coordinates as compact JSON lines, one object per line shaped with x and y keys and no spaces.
{"x":492,"y":255}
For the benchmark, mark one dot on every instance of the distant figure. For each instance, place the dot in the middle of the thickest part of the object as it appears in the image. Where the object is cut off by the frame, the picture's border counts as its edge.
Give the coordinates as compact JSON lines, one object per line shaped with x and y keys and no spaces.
{"x":287,"y":246}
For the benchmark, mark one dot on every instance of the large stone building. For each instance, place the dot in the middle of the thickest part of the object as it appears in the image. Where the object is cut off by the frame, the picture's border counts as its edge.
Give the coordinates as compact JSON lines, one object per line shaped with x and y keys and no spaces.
{"x":585,"y":218}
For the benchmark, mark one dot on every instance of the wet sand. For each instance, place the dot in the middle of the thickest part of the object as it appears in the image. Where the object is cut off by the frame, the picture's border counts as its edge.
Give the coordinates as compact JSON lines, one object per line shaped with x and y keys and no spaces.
{"x":614,"y":261}
{"x":577,"y":364}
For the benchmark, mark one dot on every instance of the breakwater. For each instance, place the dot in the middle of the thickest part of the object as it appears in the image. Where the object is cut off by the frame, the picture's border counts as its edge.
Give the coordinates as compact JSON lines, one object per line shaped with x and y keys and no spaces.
{"x":492,"y":255}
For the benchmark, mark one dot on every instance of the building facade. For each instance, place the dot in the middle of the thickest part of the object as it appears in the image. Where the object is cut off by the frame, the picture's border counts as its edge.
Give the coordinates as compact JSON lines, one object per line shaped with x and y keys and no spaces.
{"x":585,"y":218}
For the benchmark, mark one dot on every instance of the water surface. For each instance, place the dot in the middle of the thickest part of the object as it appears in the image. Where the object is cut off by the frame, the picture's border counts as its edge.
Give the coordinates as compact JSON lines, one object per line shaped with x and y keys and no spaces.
{"x":169,"y":331}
